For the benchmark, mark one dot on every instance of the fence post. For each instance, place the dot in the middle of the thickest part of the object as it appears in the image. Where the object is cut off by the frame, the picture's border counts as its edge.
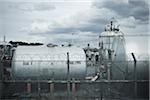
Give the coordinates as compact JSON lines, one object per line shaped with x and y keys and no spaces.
{"x":68,"y":77}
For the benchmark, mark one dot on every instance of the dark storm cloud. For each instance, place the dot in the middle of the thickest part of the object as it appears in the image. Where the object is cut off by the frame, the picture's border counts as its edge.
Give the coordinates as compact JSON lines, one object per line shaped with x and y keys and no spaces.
{"x":61,"y":30}
{"x":94,"y":25}
{"x":77,"y":40}
{"x":139,"y":9}
{"x":92,"y":28}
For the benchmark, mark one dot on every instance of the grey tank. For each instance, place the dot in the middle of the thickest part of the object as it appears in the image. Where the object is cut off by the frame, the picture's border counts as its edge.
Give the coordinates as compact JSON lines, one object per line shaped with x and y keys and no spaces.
{"x":43,"y":63}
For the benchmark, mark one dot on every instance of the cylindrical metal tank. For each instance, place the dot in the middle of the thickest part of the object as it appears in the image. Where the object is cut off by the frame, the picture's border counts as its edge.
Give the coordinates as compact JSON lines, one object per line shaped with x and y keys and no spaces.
{"x":41,"y":62}
{"x":114,"y":40}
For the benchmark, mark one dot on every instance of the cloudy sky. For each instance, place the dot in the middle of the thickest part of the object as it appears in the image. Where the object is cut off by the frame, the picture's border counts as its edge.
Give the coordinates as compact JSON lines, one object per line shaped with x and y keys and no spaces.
{"x":59,"y":21}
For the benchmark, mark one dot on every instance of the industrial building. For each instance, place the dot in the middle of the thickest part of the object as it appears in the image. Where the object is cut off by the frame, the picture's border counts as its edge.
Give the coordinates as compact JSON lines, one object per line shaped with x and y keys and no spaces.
{"x":51,"y":72}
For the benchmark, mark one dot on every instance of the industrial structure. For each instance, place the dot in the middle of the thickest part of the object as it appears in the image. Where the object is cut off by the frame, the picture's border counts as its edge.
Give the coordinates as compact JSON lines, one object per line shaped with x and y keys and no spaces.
{"x":51,"y":72}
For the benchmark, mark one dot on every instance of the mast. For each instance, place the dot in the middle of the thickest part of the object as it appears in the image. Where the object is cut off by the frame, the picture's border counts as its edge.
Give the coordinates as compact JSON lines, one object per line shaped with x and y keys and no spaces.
{"x":4,"y":39}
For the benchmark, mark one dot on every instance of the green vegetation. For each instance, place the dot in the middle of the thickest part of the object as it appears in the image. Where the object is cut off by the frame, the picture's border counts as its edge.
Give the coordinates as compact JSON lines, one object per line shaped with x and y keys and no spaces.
{"x":16,"y":43}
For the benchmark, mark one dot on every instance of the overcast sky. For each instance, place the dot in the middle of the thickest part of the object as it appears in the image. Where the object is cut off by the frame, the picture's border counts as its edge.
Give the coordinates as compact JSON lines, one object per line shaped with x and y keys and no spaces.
{"x":55,"y":20}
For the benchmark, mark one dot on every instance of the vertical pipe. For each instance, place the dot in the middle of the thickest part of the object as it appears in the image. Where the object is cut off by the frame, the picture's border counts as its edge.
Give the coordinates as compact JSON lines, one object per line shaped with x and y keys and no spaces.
{"x":109,"y":71}
{"x":68,"y":77}
{"x":108,"y":78}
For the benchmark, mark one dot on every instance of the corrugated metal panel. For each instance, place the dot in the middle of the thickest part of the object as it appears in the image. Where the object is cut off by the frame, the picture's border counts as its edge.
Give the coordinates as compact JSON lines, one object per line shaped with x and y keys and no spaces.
{"x":45,"y":53}
{"x":41,"y":62}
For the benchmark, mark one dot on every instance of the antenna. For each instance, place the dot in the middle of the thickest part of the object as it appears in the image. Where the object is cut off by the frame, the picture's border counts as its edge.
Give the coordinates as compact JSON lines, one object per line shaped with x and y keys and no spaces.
{"x":114,"y":26}
{"x":4,"y":39}
{"x":111,"y":25}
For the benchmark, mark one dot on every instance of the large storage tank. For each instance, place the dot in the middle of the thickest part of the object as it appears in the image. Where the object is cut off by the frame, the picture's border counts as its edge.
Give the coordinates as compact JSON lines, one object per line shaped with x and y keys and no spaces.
{"x":41,"y":62}
{"x":114,"y":41}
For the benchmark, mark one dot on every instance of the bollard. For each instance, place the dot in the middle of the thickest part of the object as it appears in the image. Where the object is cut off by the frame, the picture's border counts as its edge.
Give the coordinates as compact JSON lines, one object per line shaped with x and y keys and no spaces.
{"x":28,"y":87}
{"x":73,"y":86}
{"x":51,"y":87}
